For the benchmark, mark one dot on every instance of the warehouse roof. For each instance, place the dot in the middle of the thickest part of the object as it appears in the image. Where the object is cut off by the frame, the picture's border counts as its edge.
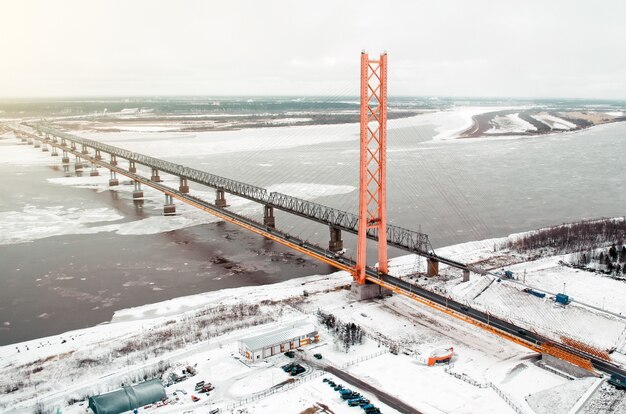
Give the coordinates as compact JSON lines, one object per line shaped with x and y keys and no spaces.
{"x":128,"y":398}
{"x":279,"y":336}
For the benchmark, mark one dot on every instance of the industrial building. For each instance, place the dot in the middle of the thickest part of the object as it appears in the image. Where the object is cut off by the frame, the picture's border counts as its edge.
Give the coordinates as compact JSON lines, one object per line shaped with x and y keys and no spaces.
{"x":128,"y":398}
{"x":280,"y":340}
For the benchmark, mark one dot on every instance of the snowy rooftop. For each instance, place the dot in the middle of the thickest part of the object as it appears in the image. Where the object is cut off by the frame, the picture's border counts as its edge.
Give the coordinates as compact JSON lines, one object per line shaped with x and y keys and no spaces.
{"x":279,"y":336}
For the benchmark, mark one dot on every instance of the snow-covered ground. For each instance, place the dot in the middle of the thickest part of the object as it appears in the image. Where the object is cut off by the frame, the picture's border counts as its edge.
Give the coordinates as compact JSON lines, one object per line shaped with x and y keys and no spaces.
{"x":554,"y":122}
{"x":56,"y":366}
{"x":510,"y":123}
{"x":493,"y":369}
{"x":583,"y":320}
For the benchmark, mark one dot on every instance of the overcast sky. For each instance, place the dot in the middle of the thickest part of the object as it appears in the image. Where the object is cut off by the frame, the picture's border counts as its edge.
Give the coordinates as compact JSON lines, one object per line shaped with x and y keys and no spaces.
{"x":446,"y":48}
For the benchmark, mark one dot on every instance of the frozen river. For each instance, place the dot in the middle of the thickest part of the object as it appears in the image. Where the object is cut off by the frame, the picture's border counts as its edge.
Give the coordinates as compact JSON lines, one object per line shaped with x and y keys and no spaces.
{"x":74,"y":253}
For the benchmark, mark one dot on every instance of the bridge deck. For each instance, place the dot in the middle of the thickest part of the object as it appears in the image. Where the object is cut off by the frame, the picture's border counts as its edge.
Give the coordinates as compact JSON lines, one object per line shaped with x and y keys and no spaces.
{"x":401,"y":238}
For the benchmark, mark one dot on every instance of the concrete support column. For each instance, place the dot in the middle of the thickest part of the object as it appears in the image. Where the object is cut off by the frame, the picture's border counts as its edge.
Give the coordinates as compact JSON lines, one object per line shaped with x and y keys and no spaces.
{"x":220,"y":198}
{"x":132,"y":167}
{"x":113,"y":160}
{"x":54,"y":152}
{"x":432,"y":267}
{"x":44,"y":147}
{"x":466,"y":275}
{"x":184,"y":186}
{"x":369,"y":291}
{"x":66,"y":158}
{"x":78,"y":165}
{"x":169,"y":209}
{"x":94,"y":170}
{"x":268,"y":217}
{"x":335,"y":244}
{"x":85,"y":150}
{"x":155,"y":176}
{"x":113,"y":181}
{"x":98,"y":155}
{"x":138,"y":192}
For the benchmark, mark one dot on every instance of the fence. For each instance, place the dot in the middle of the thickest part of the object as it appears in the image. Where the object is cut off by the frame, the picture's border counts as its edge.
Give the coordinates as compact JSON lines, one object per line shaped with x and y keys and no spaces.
{"x":364,"y":358}
{"x":275,"y":390}
{"x":505,"y":397}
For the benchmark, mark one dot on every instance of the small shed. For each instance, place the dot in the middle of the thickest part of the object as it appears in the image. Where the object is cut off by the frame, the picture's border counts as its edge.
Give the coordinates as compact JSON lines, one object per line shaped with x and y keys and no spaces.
{"x":128,"y":398}
{"x":280,"y":340}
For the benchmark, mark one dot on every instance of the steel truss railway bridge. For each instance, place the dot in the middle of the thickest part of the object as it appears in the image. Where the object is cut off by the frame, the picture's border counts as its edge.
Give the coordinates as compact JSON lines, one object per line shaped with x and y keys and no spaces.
{"x":370,"y":223}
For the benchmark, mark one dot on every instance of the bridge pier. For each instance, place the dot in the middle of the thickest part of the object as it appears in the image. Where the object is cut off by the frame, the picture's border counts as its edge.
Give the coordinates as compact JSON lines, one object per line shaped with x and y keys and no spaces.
{"x":94,"y":171}
{"x":54,"y":152}
{"x":466,"y":275}
{"x":184,"y":186}
{"x":55,"y":139}
{"x":220,"y":198}
{"x":138,"y":192}
{"x":23,"y":139}
{"x":47,"y":137}
{"x":169,"y":209}
{"x":66,"y":158}
{"x":268,"y":217}
{"x":155,"y":176}
{"x":113,"y":160}
{"x":113,"y":181}
{"x":85,"y":150}
{"x":432,"y":267}
{"x":335,"y":244}
{"x":73,"y":145}
{"x":78,"y":164}
{"x":369,"y":291}
{"x":44,"y":147}
{"x":63,"y":143}
{"x":132,"y":167}
{"x":66,"y":169}
{"x":98,"y":155}
{"x":36,"y":143}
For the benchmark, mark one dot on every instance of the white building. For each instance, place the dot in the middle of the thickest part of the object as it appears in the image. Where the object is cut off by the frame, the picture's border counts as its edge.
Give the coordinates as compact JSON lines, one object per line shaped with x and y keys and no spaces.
{"x":278,"y":341}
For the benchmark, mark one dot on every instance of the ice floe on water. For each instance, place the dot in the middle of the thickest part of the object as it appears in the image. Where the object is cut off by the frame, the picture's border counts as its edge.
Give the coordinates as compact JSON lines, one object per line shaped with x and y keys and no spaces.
{"x":33,"y":223}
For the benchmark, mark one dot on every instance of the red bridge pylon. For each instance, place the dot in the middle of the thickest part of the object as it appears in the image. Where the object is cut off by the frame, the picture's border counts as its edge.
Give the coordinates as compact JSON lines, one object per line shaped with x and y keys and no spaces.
{"x":372,"y":177}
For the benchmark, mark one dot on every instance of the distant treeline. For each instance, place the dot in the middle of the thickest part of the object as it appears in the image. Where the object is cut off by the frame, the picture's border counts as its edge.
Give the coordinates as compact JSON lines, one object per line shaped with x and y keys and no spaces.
{"x":574,"y":237}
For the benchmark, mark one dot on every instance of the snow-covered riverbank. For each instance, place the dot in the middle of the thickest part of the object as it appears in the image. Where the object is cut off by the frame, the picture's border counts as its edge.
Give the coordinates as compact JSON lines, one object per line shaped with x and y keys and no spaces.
{"x":98,"y":359}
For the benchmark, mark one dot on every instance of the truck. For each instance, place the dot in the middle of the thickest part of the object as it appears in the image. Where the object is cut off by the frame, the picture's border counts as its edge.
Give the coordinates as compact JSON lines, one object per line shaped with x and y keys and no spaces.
{"x":345,"y":391}
{"x":618,"y":381}
{"x":358,"y":401}
{"x":562,"y":298}
{"x":535,"y":293}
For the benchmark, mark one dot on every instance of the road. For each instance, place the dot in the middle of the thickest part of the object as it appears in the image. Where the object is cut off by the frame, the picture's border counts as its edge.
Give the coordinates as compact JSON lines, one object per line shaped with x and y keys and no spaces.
{"x":390,"y":400}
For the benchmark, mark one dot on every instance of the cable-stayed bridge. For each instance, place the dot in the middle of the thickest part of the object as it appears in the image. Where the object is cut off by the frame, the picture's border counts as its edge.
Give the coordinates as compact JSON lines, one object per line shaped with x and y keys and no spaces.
{"x":369,"y":224}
